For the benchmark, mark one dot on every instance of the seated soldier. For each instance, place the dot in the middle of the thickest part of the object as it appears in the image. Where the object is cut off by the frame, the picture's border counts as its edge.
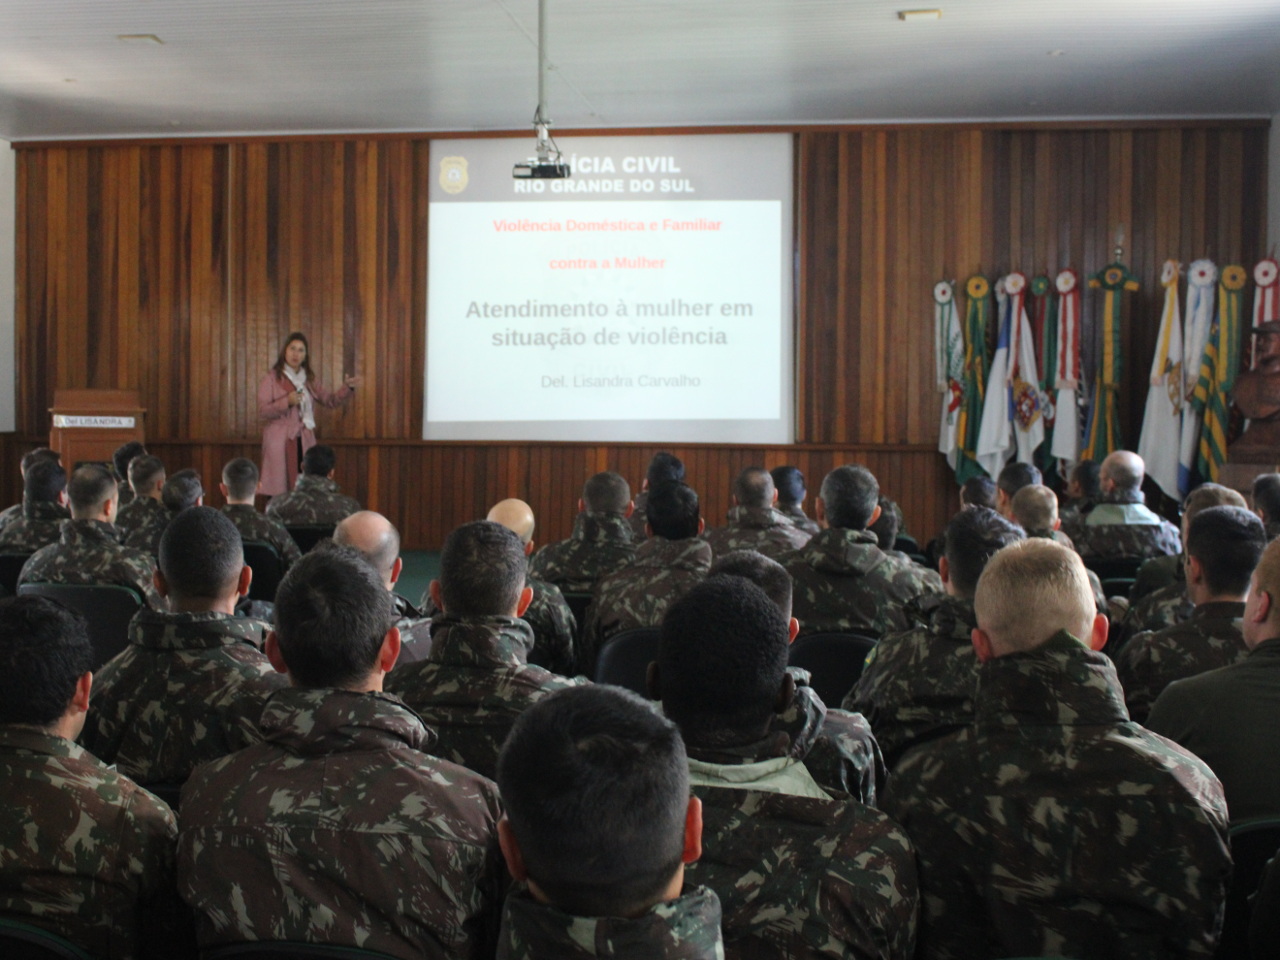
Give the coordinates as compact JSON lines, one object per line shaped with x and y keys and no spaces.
{"x":789,"y":482}
{"x":1053,"y":825}
{"x":44,"y":507}
{"x":146,"y":479}
{"x":376,"y":539}
{"x":977,"y":491}
{"x":601,"y":542}
{"x":9,"y":514}
{"x":1035,"y":509}
{"x":664,"y":468}
{"x":1013,"y":478}
{"x":599,"y":825}
{"x":182,"y":491}
{"x":87,"y":550}
{"x":753,"y":523}
{"x":477,"y":679}
{"x":338,"y":828}
{"x":919,"y":685}
{"x":802,"y":869}
{"x":88,"y":854}
{"x":316,"y":499}
{"x":667,"y":564}
{"x":1223,"y":546}
{"x":1084,"y":490}
{"x":120,"y":462}
{"x":842,"y":751}
{"x":1266,"y":502}
{"x":1159,"y":595}
{"x":191,"y":684}
{"x":240,"y":483}
{"x":1121,"y":525}
{"x":1228,"y":717}
{"x":843,"y":580}
{"x":886,"y":527}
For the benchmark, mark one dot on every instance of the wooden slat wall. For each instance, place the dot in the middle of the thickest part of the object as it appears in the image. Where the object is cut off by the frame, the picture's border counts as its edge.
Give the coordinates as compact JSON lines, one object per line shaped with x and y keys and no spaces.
{"x":179,"y":268}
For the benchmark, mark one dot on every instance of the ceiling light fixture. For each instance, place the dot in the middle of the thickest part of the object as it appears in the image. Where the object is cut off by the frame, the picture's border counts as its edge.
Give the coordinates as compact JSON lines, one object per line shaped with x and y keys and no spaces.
{"x":934,"y":14}
{"x":548,"y":164}
{"x":140,"y":38}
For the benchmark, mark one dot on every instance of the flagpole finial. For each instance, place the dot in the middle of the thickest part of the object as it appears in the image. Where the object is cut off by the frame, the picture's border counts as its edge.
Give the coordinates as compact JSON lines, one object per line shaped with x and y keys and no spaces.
{"x":1119,"y":251}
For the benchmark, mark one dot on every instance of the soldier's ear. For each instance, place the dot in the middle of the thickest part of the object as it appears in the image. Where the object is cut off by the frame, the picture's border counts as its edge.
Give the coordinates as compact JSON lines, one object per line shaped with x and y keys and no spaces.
{"x":648,"y":529}
{"x":982,"y":645}
{"x":786,"y":692}
{"x":775,"y":497}
{"x":702,"y":525}
{"x":631,"y":508}
{"x":63,"y":499}
{"x":395,"y":570}
{"x":246,"y":578}
{"x":1057,"y":523}
{"x":528,"y":549}
{"x":653,"y":680}
{"x":692,"y":832}
{"x":437,"y":595}
{"x":875,"y":515}
{"x":793,"y":630}
{"x":1098,"y":635}
{"x":526,"y":598}
{"x":511,"y":851}
{"x":389,"y":653}
{"x":820,"y":511}
{"x":162,"y":587}
{"x":944,"y":569}
{"x":1195,"y":570}
{"x":226,"y":494}
{"x":80,"y":696}
{"x":582,"y":505}
{"x":272,"y":650}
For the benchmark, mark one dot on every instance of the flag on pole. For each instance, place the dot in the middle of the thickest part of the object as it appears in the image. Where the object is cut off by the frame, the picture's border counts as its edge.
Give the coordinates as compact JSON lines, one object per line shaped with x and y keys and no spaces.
{"x":1218,"y":368}
{"x":1196,"y":324}
{"x":975,"y":378}
{"x":1103,"y":433}
{"x":1266,"y":295}
{"x":1026,"y":408}
{"x":1066,"y":379}
{"x":1162,"y":422}
{"x":995,"y":436}
{"x":1044,"y":327}
{"x":948,"y":365}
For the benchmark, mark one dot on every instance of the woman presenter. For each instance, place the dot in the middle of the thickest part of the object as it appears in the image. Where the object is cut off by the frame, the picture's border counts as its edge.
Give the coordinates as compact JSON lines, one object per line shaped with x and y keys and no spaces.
{"x":287,"y":398}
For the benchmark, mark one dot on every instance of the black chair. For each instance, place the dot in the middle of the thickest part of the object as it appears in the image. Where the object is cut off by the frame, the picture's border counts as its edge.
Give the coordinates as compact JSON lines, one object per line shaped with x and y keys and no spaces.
{"x":578,"y":603}
{"x":21,"y":941}
{"x":1116,"y":586}
{"x":11,"y":565}
{"x":834,"y":661}
{"x":1115,"y":568}
{"x":268,"y":569}
{"x":1253,"y":843}
{"x":289,"y":950}
{"x":625,"y":657}
{"x":308,"y":535}
{"x":108,"y":607}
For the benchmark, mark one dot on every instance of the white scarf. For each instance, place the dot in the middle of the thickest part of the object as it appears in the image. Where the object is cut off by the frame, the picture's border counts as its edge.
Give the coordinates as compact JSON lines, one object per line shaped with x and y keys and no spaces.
{"x":299,"y":380}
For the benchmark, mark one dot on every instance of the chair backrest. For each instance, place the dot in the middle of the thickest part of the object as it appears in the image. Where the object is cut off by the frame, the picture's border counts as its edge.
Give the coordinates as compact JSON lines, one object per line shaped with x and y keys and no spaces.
{"x":108,"y":607}
{"x":578,"y":603}
{"x":1116,"y":586}
{"x":834,"y":661}
{"x":268,"y":569}
{"x":1253,"y":843}
{"x":289,"y":950}
{"x":308,"y":535}
{"x":625,"y":657}
{"x":21,"y":941}
{"x":11,"y":565}
{"x":1113,"y":568}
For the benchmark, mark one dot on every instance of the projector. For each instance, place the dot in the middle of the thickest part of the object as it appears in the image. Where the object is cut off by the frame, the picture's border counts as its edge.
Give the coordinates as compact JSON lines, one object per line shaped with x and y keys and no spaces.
{"x":536,"y":169}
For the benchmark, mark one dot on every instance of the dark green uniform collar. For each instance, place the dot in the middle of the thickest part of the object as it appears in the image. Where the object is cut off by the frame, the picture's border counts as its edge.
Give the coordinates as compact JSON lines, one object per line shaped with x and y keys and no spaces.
{"x":1059,"y":683}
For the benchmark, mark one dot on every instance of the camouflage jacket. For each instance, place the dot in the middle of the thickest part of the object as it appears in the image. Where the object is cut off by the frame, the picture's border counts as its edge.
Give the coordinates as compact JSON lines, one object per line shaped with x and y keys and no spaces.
{"x":762,"y":529}
{"x":1156,"y":574}
{"x":639,"y":517}
{"x":146,"y":513}
{"x":339,"y":829}
{"x":85,"y":852}
{"x":1054,"y":826}
{"x":312,"y":501}
{"x":1159,"y":609}
{"x":601,"y":544}
{"x":639,"y":594}
{"x":795,"y":513}
{"x":10,"y":514}
{"x":258,"y":526}
{"x":473,"y":685}
{"x":919,"y":685}
{"x":843,"y":581}
{"x":188,"y":688}
{"x":415,"y":631}
{"x":1115,"y":529}
{"x":802,"y":870}
{"x":146,"y":535}
{"x":687,"y":928}
{"x":551,"y":620}
{"x":1149,"y":662}
{"x":39,"y":526}
{"x":88,"y":552}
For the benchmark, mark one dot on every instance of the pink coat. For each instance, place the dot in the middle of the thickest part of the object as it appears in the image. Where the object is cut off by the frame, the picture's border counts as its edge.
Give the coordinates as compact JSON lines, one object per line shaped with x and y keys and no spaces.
{"x":284,"y":426}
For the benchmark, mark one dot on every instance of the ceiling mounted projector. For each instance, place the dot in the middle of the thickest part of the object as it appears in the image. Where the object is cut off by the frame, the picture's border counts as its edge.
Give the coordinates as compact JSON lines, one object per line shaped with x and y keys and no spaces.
{"x":547,"y":164}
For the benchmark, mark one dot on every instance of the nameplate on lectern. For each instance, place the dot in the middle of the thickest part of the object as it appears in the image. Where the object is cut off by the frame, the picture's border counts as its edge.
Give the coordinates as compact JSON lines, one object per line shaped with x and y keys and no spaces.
{"x":62,"y":420}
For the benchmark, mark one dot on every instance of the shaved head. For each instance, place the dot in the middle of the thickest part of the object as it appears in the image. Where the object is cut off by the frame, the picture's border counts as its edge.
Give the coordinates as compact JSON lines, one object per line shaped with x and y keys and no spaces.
{"x":374,"y":537}
{"x":516,"y":516}
{"x":1124,"y":469}
{"x":1029,"y":591}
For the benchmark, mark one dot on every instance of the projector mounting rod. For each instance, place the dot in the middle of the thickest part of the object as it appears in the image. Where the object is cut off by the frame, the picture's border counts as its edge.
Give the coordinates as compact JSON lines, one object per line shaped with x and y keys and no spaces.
{"x":547,"y":163}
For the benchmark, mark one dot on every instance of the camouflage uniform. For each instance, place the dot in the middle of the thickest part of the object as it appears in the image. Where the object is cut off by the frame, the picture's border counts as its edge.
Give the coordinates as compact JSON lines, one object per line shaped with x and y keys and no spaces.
{"x":146,"y":513}
{"x":88,"y":552}
{"x":188,"y":688}
{"x":10,"y":514}
{"x":146,"y":536}
{"x":639,"y":517}
{"x":601,"y":544}
{"x":762,"y":529}
{"x":415,"y":631}
{"x":258,"y":526}
{"x":313,"y":501}
{"x":639,"y":594}
{"x":801,"y":869}
{"x":1163,"y":608}
{"x":1156,"y":574}
{"x":687,"y":928}
{"x":473,"y":685}
{"x":85,"y":852}
{"x":124,"y":492}
{"x":39,"y":526}
{"x":843,"y":581}
{"x":795,"y":513}
{"x":1149,"y":662}
{"x":1123,"y":529}
{"x":1054,"y":826}
{"x":919,"y":685}
{"x":339,"y":829}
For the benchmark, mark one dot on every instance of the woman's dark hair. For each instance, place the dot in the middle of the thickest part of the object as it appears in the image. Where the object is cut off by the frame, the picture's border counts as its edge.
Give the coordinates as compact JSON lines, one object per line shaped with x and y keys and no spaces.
{"x":306,"y":361}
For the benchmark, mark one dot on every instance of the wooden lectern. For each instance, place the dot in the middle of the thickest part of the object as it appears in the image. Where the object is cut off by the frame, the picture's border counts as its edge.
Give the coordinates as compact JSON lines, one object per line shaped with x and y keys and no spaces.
{"x":88,"y":425}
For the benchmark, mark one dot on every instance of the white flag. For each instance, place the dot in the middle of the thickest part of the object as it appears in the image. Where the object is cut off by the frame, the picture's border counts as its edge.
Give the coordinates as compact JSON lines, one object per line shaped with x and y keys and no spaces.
{"x":995,"y":436}
{"x":1160,"y":442}
{"x":948,"y":353}
{"x":1066,"y":423}
{"x":1201,"y":279}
